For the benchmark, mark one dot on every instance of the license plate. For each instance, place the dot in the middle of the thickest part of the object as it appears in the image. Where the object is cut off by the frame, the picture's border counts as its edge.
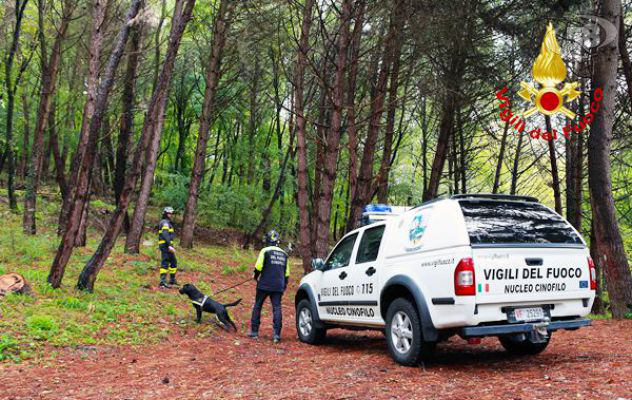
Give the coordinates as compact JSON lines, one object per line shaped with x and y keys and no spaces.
{"x":529,"y":314}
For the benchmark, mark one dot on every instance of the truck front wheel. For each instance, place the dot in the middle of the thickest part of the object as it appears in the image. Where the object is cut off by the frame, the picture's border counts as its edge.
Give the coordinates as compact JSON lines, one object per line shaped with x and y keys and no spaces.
{"x":306,"y":327}
{"x":521,"y":345}
{"x":403,"y":334}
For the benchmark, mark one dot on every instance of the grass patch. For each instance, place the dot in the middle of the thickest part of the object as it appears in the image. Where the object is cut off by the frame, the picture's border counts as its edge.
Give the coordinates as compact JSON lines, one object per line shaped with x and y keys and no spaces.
{"x":126,"y":308}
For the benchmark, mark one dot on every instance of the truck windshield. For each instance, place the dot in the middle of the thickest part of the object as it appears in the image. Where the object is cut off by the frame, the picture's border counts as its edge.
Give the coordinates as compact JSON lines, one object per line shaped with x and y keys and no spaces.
{"x":498,"y":222}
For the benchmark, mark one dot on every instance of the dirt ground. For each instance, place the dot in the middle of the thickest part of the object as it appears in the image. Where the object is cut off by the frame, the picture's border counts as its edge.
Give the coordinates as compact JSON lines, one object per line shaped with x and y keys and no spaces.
{"x":592,"y":363}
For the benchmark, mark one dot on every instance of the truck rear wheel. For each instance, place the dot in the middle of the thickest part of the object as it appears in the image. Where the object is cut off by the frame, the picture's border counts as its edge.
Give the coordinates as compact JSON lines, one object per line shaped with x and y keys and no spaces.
{"x":521,"y":345}
{"x":403,"y":334}
{"x":306,"y":327}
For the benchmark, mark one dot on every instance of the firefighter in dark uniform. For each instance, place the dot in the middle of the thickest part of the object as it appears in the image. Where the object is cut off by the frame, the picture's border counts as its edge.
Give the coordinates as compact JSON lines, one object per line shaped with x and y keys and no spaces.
{"x":168,"y":263}
{"x":272,"y":272}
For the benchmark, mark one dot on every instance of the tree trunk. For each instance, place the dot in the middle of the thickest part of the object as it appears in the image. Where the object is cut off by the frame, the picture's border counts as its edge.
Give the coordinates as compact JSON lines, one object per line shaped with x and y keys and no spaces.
{"x":59,"y":162}
{"x":608,"y":236}
{"x":574,"y":174}
{"x":625,"y":58}
{"x":94,"y":63}
{"x":332,"y":147}
{"x":88,"y":275}
{"x":361,"y":192}
{"x":557,"y":193}
{"x":385,"y":166}
{"x":459,"y":124}
{"x":132,"y":242}
{"x":49,"y":80}
{"x":11,"y":87}
{"x":26,"y":132}
{"x":275,"y":195}
{"x":598,"y":305}
{"x":222,"y":23}
{"x":83,"y":182}
{"x":445,"y":131}
{"x":352,"y":128}
{"x":452,"y":77}
{"x":301,"y":151}
{"x":501,"y":156}
{"x":127,"y":115}
{"x":516,"y":165}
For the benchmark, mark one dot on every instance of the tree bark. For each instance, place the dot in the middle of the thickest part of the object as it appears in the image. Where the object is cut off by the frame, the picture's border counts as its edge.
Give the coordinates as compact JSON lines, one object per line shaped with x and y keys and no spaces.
{"x":385,"y":166}
{"x":451,"y":99}
{"x":501,"y":157}
{"x":625,"y":58}
{"x":275,"y":195}
{"x":222,"y":23}
{"x":26,"y":132}
{"x":132,"y":242}
{"x":83,"y":182}
{"x":88,"y":275}
{"x":127,"y":115}
{"x":352,"y":128}
{"x":361,"y":192}
{"x":332,"y":147}
{"x":301,"y":151}
{"x":516,"y":165}
{"x":94,"y":63}
{"x":11,"y":86}
{"x":607,"y":233}
{"x":59,"y":162}
{"x":49,"y":80}
{"x":555,"y":176}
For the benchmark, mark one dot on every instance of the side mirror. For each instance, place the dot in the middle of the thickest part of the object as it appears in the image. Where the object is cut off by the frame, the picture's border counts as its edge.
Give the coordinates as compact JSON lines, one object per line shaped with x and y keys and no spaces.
{"x":318,"y":264}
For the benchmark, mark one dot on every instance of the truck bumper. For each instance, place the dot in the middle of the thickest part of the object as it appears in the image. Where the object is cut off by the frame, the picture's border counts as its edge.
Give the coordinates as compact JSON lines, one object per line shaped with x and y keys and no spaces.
{"x":509,"y":329}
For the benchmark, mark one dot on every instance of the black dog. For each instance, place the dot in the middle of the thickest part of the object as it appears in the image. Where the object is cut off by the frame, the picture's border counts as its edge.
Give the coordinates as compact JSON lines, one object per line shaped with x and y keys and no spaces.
{"x":205,"y":303}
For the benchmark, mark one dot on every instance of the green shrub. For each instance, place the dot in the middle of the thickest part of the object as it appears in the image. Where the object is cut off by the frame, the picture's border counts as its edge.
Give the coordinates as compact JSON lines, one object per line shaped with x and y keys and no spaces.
{"x":72,"y":303}
{"x":8,"y":349}
{"x":41,"y":326}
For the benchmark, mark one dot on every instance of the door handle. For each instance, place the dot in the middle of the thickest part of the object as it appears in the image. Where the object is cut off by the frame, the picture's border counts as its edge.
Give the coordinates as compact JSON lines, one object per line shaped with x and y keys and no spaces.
{"x":533,"y":261}
{"x":370,"y":271}
{"x":342,"y":275}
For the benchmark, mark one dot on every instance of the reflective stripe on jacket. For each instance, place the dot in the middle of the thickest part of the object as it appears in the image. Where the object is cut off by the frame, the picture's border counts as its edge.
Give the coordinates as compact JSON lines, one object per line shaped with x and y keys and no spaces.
{"x":166,"y":233}
{"x":274,"y":269}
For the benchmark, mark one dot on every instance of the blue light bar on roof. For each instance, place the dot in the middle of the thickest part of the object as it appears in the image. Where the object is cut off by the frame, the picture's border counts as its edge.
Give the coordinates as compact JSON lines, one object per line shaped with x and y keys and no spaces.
{"x":381,"y":208}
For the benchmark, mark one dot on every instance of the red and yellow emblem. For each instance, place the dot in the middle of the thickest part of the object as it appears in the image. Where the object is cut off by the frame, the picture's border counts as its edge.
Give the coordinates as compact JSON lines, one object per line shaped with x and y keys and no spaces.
{"x":549,"y":71}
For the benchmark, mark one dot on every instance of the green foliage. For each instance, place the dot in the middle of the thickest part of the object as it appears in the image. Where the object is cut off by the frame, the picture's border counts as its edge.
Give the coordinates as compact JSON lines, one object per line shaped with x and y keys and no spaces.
{"x":9,"y":349}
{"x":171,"y":189}
{"x":125,"y":308}
{"x":41,"y":327}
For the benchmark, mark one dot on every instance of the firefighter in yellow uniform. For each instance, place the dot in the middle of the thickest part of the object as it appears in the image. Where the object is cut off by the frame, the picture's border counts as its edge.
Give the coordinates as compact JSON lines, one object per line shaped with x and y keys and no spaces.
{"x":168,"y":263}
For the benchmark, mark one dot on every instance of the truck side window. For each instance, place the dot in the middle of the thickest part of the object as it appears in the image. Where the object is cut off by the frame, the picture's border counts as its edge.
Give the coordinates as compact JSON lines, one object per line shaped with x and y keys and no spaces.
{"x":370,"y":245}
{"x":341,"y":256}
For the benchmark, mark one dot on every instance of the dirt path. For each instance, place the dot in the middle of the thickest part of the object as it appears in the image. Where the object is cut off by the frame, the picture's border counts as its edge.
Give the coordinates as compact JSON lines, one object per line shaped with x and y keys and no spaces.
{"x":593,"y":363}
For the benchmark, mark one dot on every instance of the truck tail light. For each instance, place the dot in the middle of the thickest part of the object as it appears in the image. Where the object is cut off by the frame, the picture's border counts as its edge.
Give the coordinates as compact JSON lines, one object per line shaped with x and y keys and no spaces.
{"x":593,"y":274}
{"x":464,"y":279}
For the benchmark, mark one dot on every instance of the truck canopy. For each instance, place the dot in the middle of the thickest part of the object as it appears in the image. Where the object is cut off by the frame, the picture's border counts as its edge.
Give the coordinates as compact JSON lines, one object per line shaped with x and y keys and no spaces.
{"x":491,"y":222}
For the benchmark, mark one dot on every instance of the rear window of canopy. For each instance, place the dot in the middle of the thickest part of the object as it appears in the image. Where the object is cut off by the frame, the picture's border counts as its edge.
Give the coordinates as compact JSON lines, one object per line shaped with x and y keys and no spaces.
{"x":499,"y":222}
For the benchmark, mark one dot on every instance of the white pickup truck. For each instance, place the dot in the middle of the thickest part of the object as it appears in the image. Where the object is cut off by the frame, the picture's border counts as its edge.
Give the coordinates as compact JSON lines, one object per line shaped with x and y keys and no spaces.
{"x":469,"y":265}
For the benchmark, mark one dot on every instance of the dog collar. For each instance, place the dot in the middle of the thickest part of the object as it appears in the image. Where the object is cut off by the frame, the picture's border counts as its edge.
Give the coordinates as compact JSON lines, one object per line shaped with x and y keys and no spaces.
{"x":200,"y":303}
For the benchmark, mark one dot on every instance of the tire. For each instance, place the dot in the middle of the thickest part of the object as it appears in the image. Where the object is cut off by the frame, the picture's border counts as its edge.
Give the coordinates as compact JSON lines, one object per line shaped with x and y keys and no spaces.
{"x":403,"y":334}
{"x":522,"y":347}
{"x":306,"y":328}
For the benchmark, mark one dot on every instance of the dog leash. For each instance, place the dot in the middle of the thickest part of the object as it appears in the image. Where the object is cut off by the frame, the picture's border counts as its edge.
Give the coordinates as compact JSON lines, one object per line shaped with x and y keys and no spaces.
{"x":234,"y":286}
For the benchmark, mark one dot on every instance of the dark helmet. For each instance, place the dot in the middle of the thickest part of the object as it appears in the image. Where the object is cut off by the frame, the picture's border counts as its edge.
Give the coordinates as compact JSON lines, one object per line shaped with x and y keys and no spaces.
{"x":272,"y":238}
